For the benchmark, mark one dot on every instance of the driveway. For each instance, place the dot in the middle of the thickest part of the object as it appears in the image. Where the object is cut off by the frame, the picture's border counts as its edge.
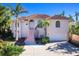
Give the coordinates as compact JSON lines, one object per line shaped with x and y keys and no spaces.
{"x":51,"y":49}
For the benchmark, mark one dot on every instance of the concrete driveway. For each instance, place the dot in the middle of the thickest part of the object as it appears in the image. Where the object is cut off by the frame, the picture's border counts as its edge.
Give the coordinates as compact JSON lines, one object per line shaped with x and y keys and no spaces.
{"x":51,"y":49}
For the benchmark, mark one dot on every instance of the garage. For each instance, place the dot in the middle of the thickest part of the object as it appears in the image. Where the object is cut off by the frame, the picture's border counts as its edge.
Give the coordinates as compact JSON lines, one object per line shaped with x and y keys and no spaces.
{"x":58,"y":37}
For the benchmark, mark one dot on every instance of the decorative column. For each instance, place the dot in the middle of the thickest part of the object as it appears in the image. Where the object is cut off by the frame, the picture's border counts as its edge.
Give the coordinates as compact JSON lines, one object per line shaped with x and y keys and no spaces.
{"x":30,"y":37}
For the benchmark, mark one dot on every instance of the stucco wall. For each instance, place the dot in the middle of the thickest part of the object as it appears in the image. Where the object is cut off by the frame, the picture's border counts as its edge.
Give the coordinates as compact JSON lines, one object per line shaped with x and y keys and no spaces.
{"x":39,"y":32}
{"x":58,"y":34}
{"x":23,"y":29}
{"x":55,"y":34}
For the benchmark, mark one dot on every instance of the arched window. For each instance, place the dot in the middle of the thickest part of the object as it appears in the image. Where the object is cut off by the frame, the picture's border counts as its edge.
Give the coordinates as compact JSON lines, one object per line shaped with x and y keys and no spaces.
{"x":58,"y":24}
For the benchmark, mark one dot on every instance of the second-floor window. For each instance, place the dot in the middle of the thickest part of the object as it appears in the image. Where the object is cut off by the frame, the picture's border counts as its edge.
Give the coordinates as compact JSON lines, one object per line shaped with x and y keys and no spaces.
{"x":57,"y":24}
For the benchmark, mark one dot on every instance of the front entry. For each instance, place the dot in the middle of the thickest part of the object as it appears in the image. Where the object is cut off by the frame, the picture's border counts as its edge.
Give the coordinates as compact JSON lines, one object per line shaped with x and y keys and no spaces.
{"x":30,"y":38}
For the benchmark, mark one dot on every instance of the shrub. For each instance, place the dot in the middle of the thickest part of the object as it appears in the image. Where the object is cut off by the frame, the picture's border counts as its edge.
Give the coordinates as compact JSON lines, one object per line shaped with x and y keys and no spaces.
{"x":38,"y":40}
{"x":74,"y":29}
{"x":7,"y":35}
{"x":1,"y":43}
{"x":9,"y":38}
{"x":45,"y":40}
{"x":11,"y":50}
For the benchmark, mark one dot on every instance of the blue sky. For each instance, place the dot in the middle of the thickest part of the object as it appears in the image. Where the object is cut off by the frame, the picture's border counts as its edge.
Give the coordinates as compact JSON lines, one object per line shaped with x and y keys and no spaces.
{"x":50,"y":8}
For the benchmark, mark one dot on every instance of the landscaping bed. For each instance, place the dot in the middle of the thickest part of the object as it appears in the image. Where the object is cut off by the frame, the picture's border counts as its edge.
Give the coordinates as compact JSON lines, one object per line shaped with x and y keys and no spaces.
{"x":74,"y":33}
{"x":10,"y":49}
{"x":74,"y":40}
{"x":43,"y":40}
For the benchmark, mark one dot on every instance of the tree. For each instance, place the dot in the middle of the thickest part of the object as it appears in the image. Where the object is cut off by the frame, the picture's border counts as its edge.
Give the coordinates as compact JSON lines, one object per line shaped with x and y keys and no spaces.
{"x":43,"y":23}
{"x":5,"y":19}
{"x":70,"y":18}
{"x":16,"y":12}
{"x":76,"y":15}
{"x":63,"y":13}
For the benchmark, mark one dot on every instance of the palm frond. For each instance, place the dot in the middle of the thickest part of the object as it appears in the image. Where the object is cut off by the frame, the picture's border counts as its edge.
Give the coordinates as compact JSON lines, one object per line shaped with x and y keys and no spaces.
{"x":10,"y":7}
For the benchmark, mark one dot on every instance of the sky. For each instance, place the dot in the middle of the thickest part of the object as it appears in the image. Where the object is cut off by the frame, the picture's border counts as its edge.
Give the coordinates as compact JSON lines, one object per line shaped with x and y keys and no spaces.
{"x":49,"y":8}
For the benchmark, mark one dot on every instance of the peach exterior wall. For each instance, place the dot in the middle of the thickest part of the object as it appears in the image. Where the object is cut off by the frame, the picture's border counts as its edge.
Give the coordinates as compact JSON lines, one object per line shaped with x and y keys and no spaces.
{"x":41,"y":30}
{"x":58,"y":34}
{"x":55,"y":34}
{"x":23,"y":29}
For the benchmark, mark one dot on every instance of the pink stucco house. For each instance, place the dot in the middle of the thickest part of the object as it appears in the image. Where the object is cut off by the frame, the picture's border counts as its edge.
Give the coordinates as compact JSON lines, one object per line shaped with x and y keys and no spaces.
{"x":56,"y":31}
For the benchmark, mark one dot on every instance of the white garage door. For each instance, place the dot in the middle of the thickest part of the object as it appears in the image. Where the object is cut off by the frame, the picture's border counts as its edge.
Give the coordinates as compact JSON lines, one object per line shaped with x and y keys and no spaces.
{"x":58,"y":37}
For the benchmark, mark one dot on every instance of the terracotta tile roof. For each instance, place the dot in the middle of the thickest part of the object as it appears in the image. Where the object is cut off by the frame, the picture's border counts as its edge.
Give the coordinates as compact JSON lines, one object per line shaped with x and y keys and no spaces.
{"x":42,"y":16}
{"x":58,"y":17}
{"x":23,"y":18}
{"x":37,"y":16}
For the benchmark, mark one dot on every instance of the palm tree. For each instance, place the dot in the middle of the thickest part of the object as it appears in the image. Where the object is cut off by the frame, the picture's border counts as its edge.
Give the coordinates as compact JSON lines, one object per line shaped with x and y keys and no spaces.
{"x":43,"y":24}
{"x":62,"y":14}
{"x":76,"y":14}
{"x":16,"y":12}
{"x":70,"y":18}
